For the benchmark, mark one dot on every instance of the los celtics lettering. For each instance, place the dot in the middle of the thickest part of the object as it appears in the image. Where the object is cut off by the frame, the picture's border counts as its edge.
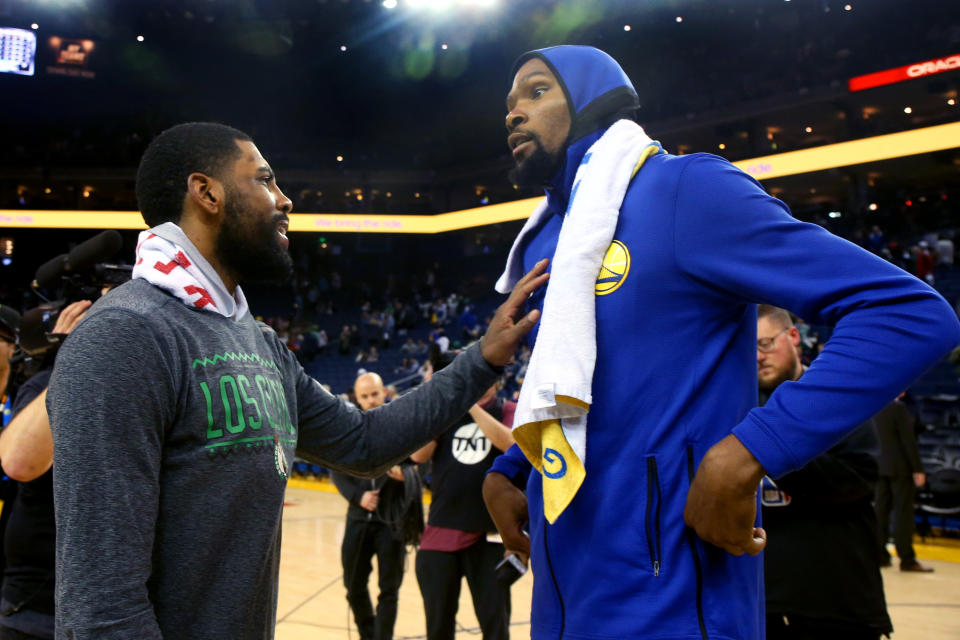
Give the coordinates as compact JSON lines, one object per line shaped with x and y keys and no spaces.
{"x":245,"y":409}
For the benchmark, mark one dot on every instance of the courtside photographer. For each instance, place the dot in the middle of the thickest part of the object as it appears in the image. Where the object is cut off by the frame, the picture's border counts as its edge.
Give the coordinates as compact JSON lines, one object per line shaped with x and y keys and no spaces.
{"x":26,"y":444}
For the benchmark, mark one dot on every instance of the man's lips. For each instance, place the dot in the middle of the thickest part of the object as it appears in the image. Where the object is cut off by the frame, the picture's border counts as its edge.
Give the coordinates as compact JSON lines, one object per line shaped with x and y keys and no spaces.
{"x":282,"y":226}
{"x":519,"y":149}
{"x":517,"y":138}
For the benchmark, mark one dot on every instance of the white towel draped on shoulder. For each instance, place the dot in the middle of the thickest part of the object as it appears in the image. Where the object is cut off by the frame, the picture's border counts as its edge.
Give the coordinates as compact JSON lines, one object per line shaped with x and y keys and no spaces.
{"x":558,"y":382}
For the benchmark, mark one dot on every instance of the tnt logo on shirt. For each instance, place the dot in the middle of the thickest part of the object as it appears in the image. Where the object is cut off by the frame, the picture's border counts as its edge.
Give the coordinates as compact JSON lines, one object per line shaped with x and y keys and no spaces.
{"x":470,"y":446}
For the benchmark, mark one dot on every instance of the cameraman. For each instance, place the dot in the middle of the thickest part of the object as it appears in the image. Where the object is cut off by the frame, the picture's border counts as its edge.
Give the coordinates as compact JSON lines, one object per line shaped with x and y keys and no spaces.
{"x":9,"y":323}
{"x":26,"y":454}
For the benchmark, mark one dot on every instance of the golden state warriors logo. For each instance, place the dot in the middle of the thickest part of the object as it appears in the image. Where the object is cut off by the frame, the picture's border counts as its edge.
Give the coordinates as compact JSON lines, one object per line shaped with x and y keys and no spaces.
{"x":614,"y":270}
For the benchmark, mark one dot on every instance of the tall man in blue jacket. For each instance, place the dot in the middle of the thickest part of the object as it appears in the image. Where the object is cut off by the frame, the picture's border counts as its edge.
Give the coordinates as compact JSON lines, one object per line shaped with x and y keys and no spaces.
{"x":662,"y":538}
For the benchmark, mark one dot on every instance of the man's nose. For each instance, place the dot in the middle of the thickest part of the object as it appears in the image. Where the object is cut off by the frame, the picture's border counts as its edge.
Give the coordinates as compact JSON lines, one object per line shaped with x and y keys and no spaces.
{"x":284,"y":203}
{"x":514,"y":120}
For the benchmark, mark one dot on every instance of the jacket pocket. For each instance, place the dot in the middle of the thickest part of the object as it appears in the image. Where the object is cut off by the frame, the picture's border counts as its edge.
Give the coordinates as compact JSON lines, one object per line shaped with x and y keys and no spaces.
{"x":652,"y":518}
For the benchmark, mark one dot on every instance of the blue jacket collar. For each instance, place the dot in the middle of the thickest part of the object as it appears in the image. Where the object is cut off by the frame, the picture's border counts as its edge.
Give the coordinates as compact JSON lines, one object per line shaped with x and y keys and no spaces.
{"x":558,"y":191}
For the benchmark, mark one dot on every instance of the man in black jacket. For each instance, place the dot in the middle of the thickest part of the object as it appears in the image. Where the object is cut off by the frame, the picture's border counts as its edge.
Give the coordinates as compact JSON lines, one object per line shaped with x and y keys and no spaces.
{"x":822,"y":575}
{"x":371,"y":529}
{"x":901,"y":472}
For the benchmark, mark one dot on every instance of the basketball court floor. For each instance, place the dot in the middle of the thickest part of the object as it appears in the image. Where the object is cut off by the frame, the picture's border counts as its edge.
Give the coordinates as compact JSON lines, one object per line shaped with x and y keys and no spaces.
{"x":312,"y":603}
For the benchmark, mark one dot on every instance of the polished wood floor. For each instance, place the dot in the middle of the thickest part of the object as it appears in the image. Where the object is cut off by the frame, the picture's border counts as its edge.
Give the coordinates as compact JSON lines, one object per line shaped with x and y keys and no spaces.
{"x":312,"y":603}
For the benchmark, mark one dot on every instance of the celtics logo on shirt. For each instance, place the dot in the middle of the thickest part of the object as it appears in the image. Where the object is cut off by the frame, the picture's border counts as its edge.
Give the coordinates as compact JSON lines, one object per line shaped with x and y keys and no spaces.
{"x":280,"y":458}
{"x":470,"y":446}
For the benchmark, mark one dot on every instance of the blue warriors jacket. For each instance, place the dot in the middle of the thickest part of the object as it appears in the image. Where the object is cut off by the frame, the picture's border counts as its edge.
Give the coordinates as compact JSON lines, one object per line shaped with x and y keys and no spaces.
{"x":676,"y":372}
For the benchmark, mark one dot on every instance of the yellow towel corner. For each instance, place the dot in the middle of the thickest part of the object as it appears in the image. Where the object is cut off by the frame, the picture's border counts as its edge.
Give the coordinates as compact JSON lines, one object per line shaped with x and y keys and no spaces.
{"x":563,"y":472}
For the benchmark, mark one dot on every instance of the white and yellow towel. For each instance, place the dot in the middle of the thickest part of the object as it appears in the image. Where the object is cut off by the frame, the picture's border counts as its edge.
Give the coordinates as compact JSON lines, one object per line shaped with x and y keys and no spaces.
{"x":550,"y":424}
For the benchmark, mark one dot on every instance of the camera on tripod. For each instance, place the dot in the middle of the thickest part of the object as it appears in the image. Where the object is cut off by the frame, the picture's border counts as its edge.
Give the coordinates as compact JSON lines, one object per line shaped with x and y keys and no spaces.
{"x":81,"y":274}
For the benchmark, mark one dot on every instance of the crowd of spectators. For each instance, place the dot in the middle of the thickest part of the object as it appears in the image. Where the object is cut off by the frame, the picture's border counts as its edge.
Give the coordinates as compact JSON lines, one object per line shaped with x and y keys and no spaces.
{"x":392,"y":331}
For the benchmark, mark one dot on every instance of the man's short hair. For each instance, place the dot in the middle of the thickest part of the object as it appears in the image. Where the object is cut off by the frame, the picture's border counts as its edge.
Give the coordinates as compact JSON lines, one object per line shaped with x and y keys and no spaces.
{"x":192,"y":147}
{"x":780,"y":316}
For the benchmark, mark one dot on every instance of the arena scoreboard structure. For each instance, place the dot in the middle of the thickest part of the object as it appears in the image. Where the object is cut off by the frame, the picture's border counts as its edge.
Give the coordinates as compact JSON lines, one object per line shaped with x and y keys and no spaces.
{"x":18,"y":51}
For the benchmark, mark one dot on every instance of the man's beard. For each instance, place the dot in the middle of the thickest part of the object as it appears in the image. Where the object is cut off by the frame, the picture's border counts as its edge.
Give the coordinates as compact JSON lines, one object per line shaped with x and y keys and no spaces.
{"x":538,"y":169}
{"x":248,"y":246}
{"x":785,"y":375}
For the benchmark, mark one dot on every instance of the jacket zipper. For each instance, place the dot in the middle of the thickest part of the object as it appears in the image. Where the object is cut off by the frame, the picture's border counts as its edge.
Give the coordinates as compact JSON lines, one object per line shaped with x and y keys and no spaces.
{"x":653,"y":524}
{"x":553,"y":576}
{"x":692,"y":541}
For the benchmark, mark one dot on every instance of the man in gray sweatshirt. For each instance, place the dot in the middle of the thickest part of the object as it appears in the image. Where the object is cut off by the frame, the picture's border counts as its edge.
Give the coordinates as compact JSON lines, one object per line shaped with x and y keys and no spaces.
{"x":175,"y":415}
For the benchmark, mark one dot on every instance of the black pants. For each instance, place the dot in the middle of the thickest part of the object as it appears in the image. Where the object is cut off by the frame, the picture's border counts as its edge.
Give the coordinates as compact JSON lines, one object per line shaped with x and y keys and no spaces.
{"x":896,"y":493}
{"x":800,"y":628}
{"x":7,"y":633}
{"x":361,"y":541}
{"x":440,"y":575}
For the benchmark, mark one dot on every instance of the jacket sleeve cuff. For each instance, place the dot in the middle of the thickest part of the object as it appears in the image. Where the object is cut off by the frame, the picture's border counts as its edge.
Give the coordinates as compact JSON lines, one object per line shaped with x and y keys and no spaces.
{"x":478,"y":348}
{"x":515,"y":467}
{"x":767,"y":447}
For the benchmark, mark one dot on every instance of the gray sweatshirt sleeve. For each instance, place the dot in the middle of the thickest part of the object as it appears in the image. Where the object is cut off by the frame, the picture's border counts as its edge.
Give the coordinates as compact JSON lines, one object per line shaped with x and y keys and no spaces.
{"x":110,"y":396}
{"x":368,"y":443}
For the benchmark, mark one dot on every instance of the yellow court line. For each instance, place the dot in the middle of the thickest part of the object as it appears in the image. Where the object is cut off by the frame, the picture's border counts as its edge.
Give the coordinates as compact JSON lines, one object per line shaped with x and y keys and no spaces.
{"x":934,"y":551}
{"x":841,"y":154}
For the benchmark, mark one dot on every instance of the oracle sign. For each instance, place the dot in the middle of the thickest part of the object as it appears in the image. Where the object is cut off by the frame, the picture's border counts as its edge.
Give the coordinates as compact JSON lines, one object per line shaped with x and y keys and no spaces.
{"x":934,"y":66}
{"x":908,"y":72}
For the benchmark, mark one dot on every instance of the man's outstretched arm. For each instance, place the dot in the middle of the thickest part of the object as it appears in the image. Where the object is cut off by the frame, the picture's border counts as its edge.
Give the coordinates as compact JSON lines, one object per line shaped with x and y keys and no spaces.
{"x":370,"y":442}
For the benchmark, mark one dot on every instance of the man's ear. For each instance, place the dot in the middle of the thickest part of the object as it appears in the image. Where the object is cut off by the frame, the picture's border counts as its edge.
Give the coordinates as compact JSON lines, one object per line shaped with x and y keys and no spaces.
{"x":794,"y":334}
{"x":205,"y":192}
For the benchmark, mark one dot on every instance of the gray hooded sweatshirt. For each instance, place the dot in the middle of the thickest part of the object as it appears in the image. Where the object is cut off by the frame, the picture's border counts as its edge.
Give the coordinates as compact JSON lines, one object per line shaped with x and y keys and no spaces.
{"x":174,"y":430}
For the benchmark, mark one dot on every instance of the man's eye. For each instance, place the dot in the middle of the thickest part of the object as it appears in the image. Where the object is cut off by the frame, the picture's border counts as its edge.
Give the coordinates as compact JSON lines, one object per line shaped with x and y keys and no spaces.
{"x":539,"y":92}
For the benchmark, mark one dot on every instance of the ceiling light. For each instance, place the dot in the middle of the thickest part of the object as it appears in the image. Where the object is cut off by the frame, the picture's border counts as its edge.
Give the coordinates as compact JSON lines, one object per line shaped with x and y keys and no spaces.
{"x":679,"y":18}
{"x":809,"y":129}
{"x":848,"y":7}
{"x":389,"y":4}
{"x":951,"y":102}
{"x":834,"y":214}
{"x":722,"y":146}
{"x":627,"y":27}
{"x":343,"y":47}
{"x":140,"y":38}
{"x":873,"y":206}
{"x":339,"y":158}
{"x":444,"y":46}
{"x":908,"y":110}
{"x":34,"y":26}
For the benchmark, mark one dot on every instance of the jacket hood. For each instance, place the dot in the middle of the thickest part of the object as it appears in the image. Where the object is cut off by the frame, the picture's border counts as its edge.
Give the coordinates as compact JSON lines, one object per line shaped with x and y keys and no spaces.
{"x":598,"y":94}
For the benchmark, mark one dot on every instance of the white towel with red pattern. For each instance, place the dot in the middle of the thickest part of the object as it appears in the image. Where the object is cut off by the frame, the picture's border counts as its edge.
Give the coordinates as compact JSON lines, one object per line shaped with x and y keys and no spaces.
{"x":167,"y":259}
